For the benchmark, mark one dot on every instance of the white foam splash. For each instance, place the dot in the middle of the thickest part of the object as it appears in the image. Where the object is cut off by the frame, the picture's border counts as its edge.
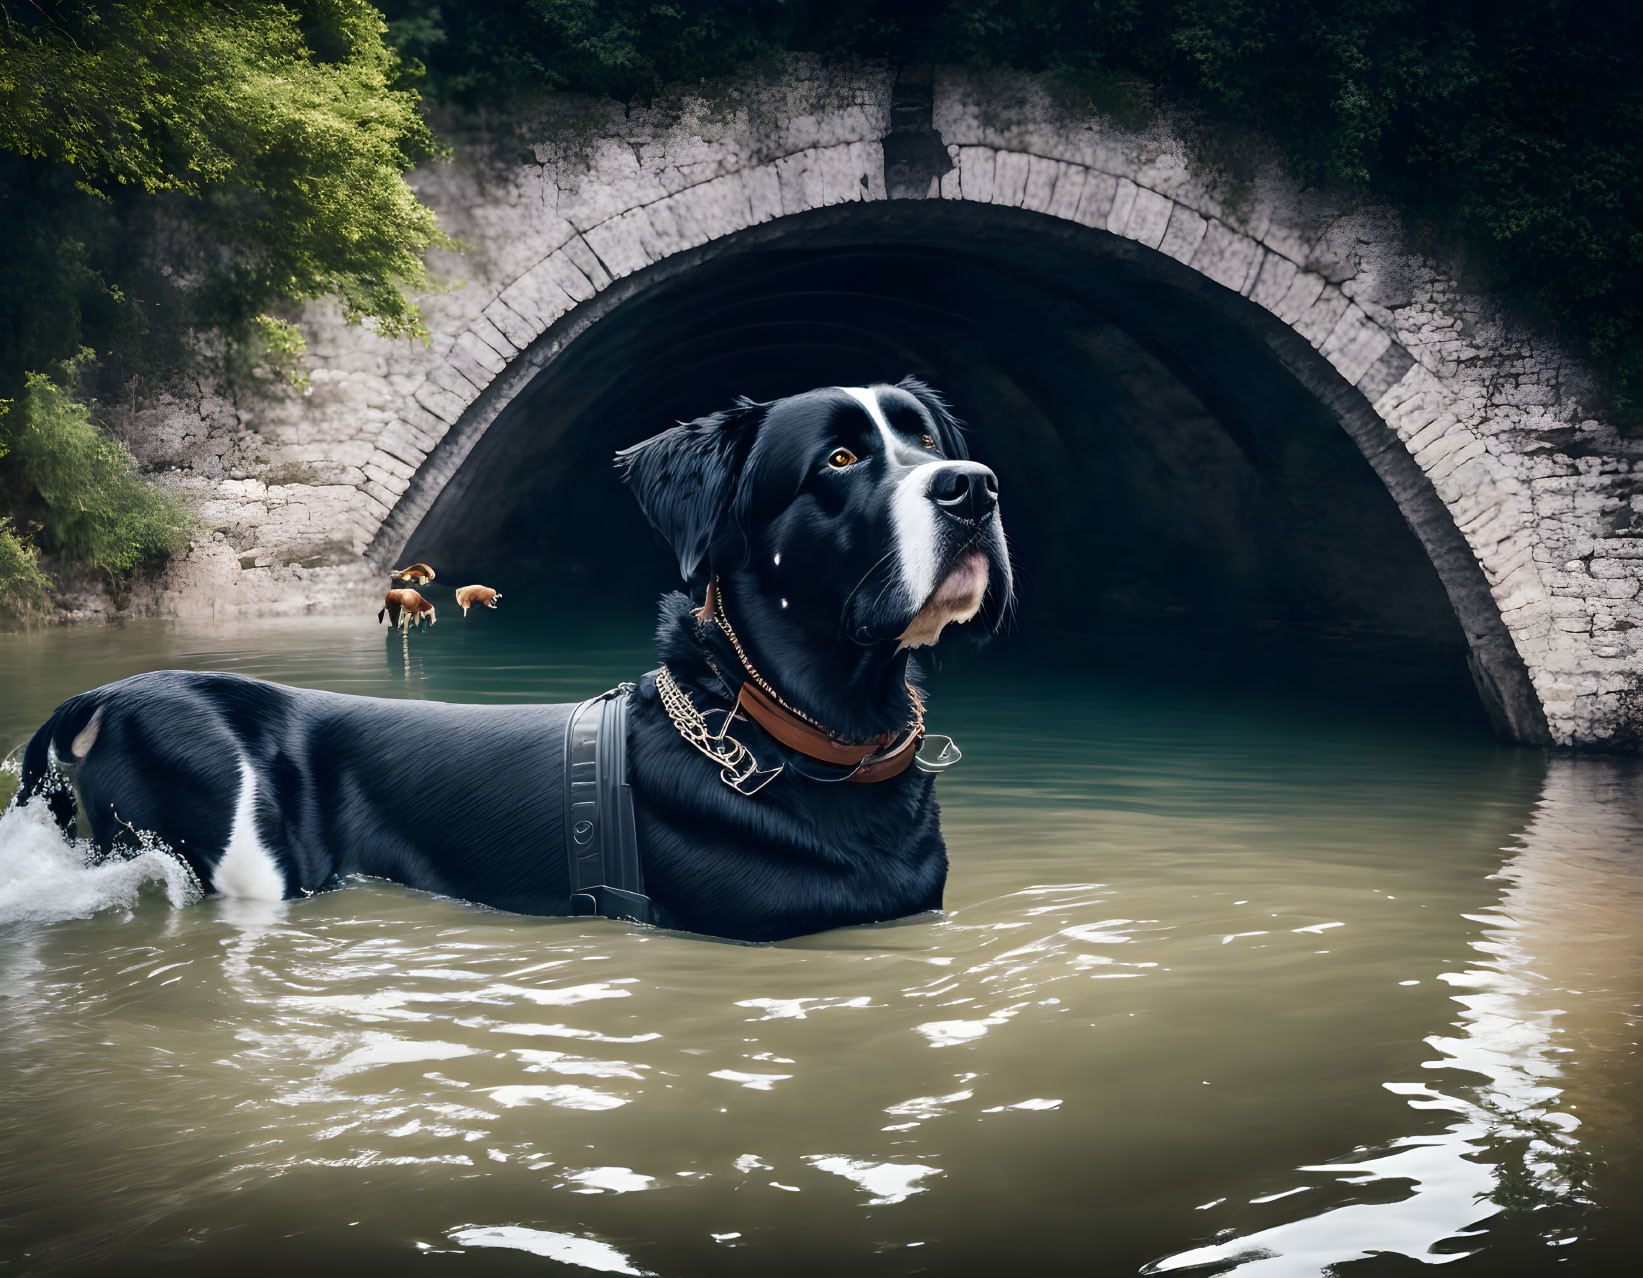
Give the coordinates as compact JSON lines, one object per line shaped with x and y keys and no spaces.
{"x":45,"y":877}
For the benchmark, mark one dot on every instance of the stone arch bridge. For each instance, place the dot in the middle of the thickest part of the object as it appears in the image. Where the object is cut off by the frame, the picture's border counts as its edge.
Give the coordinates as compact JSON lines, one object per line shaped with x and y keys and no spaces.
{"x":1243,"y":387}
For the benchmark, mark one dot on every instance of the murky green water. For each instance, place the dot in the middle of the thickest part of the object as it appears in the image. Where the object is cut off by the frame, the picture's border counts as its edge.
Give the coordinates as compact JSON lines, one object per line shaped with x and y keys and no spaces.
{"x":1222,"y":978}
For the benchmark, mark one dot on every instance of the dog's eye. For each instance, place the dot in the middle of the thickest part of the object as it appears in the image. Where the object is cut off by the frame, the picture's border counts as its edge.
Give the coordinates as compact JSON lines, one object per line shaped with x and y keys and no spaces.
{"x":841,"y":458}
{"x":930,"y":442}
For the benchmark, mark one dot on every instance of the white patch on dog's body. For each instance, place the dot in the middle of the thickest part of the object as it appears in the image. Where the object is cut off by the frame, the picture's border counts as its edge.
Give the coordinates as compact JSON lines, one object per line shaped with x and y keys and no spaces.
{"x":247,"y":868}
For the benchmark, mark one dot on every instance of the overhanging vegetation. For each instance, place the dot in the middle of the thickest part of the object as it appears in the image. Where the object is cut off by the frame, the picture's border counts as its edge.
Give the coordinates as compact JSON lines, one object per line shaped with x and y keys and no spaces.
{"x":262,"y":146}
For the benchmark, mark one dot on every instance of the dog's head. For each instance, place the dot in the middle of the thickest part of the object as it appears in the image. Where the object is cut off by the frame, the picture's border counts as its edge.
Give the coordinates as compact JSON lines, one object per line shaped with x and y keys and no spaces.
{"x":856,"y":512}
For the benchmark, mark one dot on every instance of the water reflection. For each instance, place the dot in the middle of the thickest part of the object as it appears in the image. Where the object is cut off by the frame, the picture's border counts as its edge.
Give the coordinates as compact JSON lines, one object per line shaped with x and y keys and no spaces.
{"x":407,"y":665}
{"x":568,"y":1249}
{"x":1570,"y":917}
{"x":1199,"y":953}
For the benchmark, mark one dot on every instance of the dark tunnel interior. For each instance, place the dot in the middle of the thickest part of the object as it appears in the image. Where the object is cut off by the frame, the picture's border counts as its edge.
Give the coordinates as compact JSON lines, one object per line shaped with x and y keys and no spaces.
{"x":1167,"y":483}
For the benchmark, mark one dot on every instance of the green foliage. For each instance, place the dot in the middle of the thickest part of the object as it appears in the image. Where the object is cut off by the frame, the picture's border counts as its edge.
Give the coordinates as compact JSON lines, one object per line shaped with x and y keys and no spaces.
{"x":626,"y":49}
{"x":24,"y":588}
{"x":168,"y":166}
{"x":283,"y":124}
{"x":100,"y":511}
{"x":281,"y":346}
{"x":1510,"y":130}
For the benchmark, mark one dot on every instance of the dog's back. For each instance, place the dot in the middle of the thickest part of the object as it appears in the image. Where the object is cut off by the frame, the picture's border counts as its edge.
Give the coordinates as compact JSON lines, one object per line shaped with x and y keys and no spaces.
{"x":268,"y":791}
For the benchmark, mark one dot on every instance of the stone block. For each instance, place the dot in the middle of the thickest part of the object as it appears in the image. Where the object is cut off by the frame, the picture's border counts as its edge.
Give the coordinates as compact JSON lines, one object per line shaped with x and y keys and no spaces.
{"x":507,"y":321}
{"x":1355,"y":344}
{"x":976,"y":165}
{"x":673,"y":227}
{"x":1042,"y":175}
{"x":481,"y":354}
{"x":1225,"y":256}
{"x":1095,"y":201}
{"x":444,"y":376}
{"x":378,"y":480}
{"x":587,"y":261}
{"x":537,"y":297}
{"x":565,"y":273}
{"x":798,"y":190}
{"x":1305,"y":289}
{"x":1123,"y":206}
{"x":1149,"y":218}
{"x":1068,"y":189}
{"x":867,"y":159}
{"x":1183,"y":235}
{"x":1010,"y":178}
{"x":401,"y":442}
{"x":764,"y":194}
{"x":388,"y":464}
{"x":1323,"y":315}
{"x":1386,"y":372}
{"x":378,"y":500}
{"x":845,"y":172}
{"x":462,"y":362}
{"x":619,"y":243}
{"x":483,"y":330}
{"x":441,"y":403}
{"x":1273,"y":281}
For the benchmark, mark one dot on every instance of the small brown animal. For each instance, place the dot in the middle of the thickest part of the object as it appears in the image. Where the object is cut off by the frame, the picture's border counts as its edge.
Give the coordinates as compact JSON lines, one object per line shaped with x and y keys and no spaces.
{"x":469,"y":596}
{"x":416,"y":574}
{"x":405,"y":607}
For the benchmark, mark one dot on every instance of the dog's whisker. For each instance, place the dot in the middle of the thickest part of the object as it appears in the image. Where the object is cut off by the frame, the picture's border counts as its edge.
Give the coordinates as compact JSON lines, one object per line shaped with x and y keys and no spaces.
{"x":844,"y":612}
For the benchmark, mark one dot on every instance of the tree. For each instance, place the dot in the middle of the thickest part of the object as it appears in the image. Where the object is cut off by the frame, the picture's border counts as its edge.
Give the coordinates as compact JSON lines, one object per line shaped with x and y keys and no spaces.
{"x":168,"y":165}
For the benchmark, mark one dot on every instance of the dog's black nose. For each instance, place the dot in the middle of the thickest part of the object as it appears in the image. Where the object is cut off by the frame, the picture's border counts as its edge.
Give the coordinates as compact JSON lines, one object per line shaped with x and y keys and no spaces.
{"x":965,"y":489}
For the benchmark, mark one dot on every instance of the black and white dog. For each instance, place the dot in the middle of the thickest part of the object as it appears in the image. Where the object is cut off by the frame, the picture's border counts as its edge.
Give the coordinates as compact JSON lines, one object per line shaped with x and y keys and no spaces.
{"x":825,"y":536}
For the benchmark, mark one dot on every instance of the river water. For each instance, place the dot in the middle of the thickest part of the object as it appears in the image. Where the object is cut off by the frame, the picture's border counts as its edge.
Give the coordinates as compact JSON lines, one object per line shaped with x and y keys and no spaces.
{"x":1280,"y":982}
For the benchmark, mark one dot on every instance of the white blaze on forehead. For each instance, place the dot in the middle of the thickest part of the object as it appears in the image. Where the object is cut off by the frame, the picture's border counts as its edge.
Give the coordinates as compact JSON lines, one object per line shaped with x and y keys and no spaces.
{"x":912,"y":513}
{"x":896,"y":447}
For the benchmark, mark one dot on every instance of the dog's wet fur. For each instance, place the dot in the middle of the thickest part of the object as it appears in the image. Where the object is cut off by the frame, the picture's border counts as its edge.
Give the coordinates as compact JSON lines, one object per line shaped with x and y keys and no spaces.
{"x":832,"y":572}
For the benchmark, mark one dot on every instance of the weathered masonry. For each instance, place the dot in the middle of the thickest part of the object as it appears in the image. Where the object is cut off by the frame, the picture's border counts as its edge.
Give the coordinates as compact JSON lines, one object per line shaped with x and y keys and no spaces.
{"x":706,"y":235}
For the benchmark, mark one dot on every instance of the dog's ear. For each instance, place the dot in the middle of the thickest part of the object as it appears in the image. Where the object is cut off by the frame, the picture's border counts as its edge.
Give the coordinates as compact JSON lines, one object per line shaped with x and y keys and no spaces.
{"x":949,"y":430}
{"x":684,"y":479}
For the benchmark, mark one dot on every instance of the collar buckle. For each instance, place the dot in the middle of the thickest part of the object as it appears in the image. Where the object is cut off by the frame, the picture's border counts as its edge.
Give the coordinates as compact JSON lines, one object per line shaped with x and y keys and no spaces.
{"x":936,"y":753}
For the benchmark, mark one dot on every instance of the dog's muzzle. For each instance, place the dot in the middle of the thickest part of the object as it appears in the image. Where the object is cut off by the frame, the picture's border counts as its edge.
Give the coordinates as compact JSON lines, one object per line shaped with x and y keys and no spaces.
{"x":965,"y":490}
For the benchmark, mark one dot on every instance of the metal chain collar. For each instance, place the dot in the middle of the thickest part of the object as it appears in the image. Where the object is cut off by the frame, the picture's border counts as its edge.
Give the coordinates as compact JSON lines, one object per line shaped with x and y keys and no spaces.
{"x":737,"y":767}
{"x":764,"y":684}
{"x":747,"y":664}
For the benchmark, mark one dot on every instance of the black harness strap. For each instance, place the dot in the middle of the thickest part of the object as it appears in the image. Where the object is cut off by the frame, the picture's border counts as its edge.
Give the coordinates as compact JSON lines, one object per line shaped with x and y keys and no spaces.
{"x":601,"y":840}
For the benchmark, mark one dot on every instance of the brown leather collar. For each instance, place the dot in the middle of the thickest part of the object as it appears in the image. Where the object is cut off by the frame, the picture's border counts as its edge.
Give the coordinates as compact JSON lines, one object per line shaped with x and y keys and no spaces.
{"x":872,"y":760}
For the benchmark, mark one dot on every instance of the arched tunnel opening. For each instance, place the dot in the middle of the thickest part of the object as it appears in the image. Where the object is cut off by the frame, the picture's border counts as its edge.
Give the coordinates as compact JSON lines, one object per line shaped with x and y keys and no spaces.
{"x":1174,"y":492}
